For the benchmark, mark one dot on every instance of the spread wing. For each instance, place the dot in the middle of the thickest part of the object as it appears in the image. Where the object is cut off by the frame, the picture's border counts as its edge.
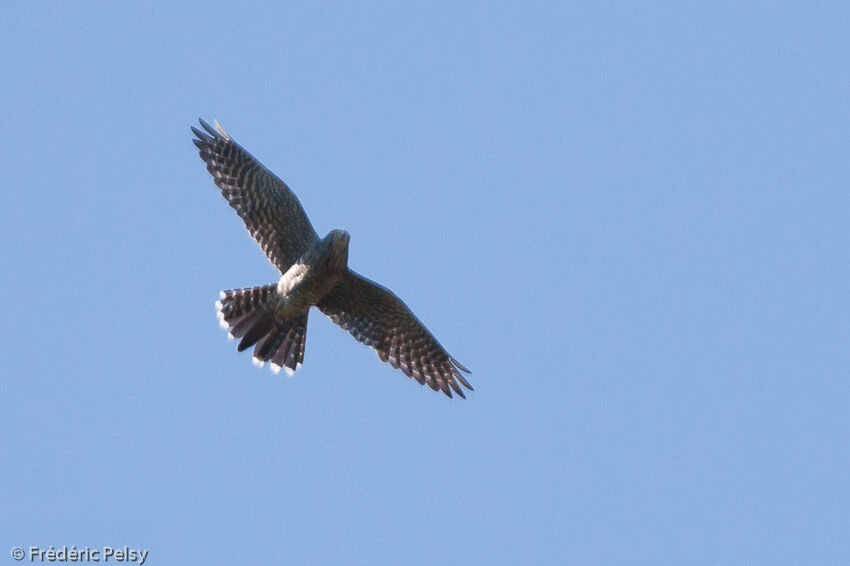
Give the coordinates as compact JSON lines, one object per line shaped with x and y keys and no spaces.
{"x":377,"y":318}
{"x":271,"y":212}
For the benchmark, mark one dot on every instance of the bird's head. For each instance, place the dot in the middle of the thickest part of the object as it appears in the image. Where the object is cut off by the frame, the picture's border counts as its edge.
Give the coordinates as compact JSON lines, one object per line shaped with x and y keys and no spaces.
{"x":337,"y":241}
{"x":338,"y":236}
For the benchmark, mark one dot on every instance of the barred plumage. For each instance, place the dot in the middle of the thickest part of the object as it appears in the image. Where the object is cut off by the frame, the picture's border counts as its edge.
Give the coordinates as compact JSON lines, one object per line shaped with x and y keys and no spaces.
{"x":379,"y":319}
{"x":249,"y":314}
{"x":271,"y":212}
{"x":273,"y":318}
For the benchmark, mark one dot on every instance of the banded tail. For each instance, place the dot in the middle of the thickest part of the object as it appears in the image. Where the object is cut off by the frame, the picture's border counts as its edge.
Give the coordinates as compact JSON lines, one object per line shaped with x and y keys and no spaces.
{"x":249,"y":314}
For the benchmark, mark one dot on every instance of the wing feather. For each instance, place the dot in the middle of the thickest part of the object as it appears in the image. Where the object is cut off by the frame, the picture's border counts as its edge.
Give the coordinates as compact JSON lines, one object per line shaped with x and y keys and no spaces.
{"x":270,"y":210}
{"x":379,"y":319}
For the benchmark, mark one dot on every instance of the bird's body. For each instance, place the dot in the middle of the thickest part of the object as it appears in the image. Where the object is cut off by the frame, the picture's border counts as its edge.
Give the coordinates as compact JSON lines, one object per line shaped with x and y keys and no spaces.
{"x":314,"y":272}
{"x":314,"y":275}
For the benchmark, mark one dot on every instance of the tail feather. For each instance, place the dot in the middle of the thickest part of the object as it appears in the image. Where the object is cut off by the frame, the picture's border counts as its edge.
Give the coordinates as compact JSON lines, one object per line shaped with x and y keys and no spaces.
{"x":243,"y":324}
{"x":237,"y":303}
{"x":249,"y":314}
{"x":290,"y":353}
{"x":268,"y":344}
{"x":260,"y":326}
{"x":290,"y":340}
{"x":282,"y":349}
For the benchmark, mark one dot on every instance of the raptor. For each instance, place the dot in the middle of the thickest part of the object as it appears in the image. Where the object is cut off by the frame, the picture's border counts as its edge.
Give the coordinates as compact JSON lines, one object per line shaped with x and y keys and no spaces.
{"x":314,"y":273}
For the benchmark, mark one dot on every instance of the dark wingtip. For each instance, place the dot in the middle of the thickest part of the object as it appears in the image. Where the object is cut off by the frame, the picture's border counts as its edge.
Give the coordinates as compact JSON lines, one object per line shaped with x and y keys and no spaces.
{"x":199,"y":134}
{"x":459,"y":377}
{"x":459,"y":365}
{"x":444,"y":387}
{"x":208,"y":128}
{"x":457,"y":388}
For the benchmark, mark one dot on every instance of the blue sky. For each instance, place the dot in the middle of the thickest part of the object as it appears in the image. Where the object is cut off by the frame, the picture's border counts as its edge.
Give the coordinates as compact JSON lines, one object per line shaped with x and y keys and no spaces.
{"x":630,"y":222}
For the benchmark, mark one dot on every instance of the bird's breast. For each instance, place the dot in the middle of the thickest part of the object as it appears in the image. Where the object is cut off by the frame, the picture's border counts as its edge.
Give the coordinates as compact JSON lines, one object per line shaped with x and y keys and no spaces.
{"x":303,"y":285}
{"x":294,"y":278}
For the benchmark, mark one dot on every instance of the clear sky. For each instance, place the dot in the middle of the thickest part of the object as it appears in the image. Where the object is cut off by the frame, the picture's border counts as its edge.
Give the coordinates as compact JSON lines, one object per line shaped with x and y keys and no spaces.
{"x":630,"y":222}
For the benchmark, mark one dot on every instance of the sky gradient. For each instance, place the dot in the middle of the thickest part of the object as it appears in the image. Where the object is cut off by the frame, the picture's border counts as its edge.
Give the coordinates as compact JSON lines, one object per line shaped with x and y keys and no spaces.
{"x":630,"y":223}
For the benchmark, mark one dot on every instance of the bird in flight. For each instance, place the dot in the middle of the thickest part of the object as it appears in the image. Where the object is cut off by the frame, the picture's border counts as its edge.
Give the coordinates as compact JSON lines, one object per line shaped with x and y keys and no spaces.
{"x":314,"y":272}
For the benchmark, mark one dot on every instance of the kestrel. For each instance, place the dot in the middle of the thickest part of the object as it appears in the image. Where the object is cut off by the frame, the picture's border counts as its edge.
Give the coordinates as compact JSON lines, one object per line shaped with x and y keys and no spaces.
{"x":314,"y":272}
